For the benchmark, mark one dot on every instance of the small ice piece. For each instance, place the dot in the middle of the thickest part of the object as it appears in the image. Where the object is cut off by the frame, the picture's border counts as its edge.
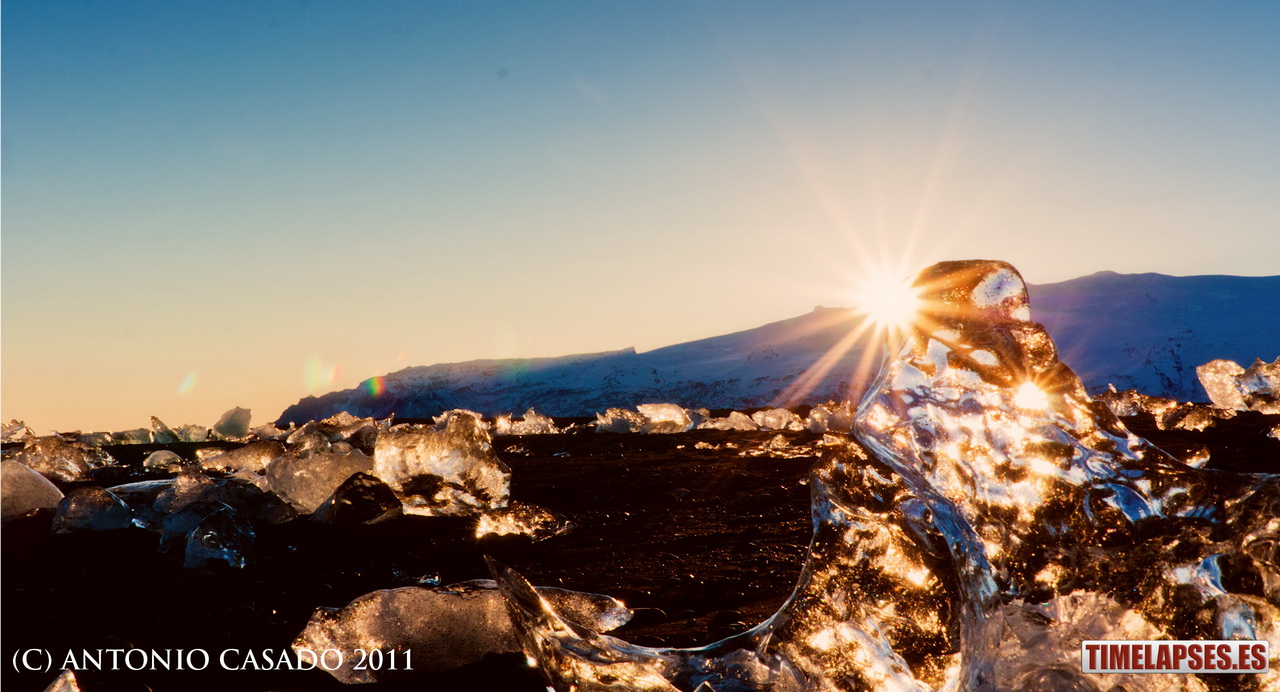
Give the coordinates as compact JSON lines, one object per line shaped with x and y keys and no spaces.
{"x":95,"y":439}
{"x":59,"y":460}
{"x":361,"y":499}
{"x":137,"y":436}
{"x":777,"y":419}
{"x":23,"y":490}
{"x":192,"y":433}
{"x":817,"y":419}
{"x":187,"y":487}
{"x":65,"y":682}
{"x":665,"y":418}
{"x":308,"y":439}
{"x":271,"y":432}
{"x":361,"y":433}
{"x":1230,"y":386}
{"x":141,"y":497}
{"x":234,"y":424}
{"x":453,"y":471}
{"x":91,"y":509}
{"x":533,"y":423}
{"x":736,"y":420}
{"x":620,"y":420}
{"x":307,"y":481}
{"x":519,"y":519}
{"x":255,"y":457}
{"x":221,"y":536}
{"x":443,"y":627}
{"x":164,"y":460}
{"x":161,"y":434}
{"x":16,"y":431}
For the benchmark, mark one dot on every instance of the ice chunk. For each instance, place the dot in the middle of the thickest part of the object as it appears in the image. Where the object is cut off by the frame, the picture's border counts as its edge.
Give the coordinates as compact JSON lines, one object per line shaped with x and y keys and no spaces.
{"x":308,"y":439}
{"x":307,"y":481}
{"x":255,"y":457}
{"x":16,"y":431}
{"x":22,"y":490}
{"x":187,"y":487}
{"x":736,"y":420}
{"x":164,"y":460}
{"x":271,"y":432}
{"x":533,"y":423}
{"x":449,"y":471}
{"x":363,"y":499}
{"x":619,"y":420}
{"x":647,"y":418}
{"x":59,"y":460}
{"x":665,"y":418}
{"x":830,"y":418}
{"x":776,"y":419}
{"x":1230,"y":386}
{"x":234,"y":424}
{"x":137,"y":436}
{"x":91,"y":509}
{"x":221,"y":536}
{"x":444,"y":627}
{"x":65,"y":682}
{"x":519,"y":519}
{"x":192,"y":433}
{"x":161,"y":433}
{"x":1168,"y":414}
{"x":994,"y":483}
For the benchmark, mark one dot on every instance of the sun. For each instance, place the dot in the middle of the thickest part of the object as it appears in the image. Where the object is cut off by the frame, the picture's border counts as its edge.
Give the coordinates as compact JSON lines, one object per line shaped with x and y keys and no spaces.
{"x":891,"y":303}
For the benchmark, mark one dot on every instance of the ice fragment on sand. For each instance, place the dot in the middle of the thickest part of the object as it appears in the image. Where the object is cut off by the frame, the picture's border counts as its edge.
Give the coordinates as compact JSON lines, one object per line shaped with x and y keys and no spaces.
{"x":444,"y":627}
{"x":620,"y":420}
{"x":91,"y":509}
{"x":736,"y":420}
{"x":1230,"y":386}
{"x":664,"y":418}
{"x":59,"y":460}
{"x":22,"y":490}
{"x":137,"y":436}
{"x":163,"y":460}
{"x":533,"y":423}
{"x":647,"y":418}
{"x":363,"y":499}
{"x":519,"y":519}
{"x":16,"y":431}
{"x":234,"y":424}
{"x":221,"y":536}
{"x":161,"y":433}
{"x":255,"y":456}
{"x":449,"y":471}
{"x":307,"y":481}
{"x":830,"y":418}
{"x":65,"y":682}
{"x":777,"y":419}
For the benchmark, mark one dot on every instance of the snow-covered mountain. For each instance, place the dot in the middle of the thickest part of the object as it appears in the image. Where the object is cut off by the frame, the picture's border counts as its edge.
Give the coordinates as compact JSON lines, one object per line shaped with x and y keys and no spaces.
{"x":1142,"y":331}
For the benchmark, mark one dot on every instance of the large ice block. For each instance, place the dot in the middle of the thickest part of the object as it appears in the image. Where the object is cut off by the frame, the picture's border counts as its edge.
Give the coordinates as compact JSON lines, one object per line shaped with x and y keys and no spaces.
{"x":363,"y":499}
{"x":1001,"y":517}
{"x":449,"y":471}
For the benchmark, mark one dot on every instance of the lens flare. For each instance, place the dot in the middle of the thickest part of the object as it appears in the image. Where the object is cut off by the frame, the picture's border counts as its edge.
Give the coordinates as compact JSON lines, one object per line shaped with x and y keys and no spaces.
{"x":375,"y":386}
{"x":188,"y":383}
{"x":890,"y":303}
{"x":1030,"y":396}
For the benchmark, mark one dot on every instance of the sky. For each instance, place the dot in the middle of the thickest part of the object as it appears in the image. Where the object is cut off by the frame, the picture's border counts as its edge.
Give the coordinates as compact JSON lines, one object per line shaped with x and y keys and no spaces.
{"x":219,"y":204}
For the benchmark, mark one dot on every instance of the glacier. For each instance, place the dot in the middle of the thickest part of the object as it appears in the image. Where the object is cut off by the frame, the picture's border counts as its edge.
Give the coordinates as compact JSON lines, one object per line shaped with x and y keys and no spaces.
{"x":1135,"y":331}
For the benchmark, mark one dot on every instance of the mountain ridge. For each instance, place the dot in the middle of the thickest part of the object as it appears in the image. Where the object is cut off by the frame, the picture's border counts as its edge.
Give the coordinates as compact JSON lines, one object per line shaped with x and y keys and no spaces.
{"x":1143,"y":331}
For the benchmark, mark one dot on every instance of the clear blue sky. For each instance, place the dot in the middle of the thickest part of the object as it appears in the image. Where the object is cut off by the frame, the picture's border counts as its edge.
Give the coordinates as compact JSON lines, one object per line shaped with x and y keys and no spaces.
{"x":227,"y":203}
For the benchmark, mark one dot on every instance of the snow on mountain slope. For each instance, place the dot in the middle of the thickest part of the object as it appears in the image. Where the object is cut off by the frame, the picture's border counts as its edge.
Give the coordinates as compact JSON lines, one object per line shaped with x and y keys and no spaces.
{"x":1143,"y":331}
